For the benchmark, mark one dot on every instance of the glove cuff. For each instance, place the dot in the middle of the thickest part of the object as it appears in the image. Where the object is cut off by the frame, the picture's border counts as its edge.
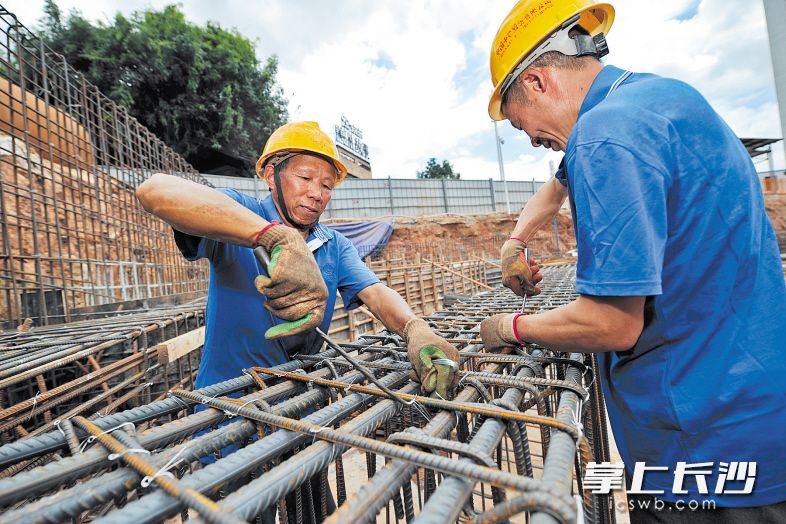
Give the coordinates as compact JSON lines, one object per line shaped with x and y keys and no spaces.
{"x":268,"y":236}
{"x":518,"y":239}
{"x":515,"y":329}
{"x":414,"y":325}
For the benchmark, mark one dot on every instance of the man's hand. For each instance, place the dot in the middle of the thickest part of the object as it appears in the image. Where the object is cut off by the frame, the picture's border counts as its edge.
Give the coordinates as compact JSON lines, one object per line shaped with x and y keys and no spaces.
{"x":499,"y":331}
{"x":519,"y":274}
{"x":423,"y":346}
{"x":295,"y":290}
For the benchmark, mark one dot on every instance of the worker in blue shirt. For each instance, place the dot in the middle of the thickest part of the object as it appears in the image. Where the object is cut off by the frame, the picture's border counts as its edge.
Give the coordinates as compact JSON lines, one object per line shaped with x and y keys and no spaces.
{"x":255,"y":319}
{"x":260,"y":316}
{"x":681,"y":289}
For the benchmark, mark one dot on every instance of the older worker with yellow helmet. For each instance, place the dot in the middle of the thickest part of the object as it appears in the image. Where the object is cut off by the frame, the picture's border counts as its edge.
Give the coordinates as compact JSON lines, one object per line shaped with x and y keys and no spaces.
{"x":255,"y":319}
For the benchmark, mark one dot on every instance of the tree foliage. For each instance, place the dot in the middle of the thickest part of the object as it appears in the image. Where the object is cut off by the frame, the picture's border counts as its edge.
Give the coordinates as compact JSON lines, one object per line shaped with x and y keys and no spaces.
{"x":436,"y":170}
{"x":200,"y":89}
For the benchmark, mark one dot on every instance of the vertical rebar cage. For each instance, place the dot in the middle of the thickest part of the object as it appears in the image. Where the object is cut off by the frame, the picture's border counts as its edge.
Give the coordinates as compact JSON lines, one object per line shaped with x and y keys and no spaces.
{"x":73,"y":235}
{"x":513,"y":445}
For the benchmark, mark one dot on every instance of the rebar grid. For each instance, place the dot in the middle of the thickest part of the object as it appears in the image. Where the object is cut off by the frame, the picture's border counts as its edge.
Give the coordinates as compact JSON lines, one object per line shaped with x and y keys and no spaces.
{"x":49,"y":374}
{"x":73,"y":235}
{"x":512,"y":445}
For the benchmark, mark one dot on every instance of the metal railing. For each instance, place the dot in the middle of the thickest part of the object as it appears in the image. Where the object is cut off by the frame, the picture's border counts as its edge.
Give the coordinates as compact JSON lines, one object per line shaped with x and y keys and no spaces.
{"x":73,"y":234}
{"x":369,"y":198}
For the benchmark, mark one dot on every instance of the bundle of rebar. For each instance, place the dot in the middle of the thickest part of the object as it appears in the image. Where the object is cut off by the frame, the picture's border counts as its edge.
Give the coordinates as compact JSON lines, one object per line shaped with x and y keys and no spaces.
{"x":89,"y":368}
{"x":312,"y":439}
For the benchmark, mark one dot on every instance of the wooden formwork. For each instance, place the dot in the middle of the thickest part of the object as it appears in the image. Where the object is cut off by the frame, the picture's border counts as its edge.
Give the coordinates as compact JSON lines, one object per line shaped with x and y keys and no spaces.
{"x":422,"y":284}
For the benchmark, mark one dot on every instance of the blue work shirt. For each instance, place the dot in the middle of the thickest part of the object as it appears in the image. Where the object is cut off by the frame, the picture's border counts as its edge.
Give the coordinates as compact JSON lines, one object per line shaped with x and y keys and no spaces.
{"x":667,"y":205}
{"x":236,"y":319}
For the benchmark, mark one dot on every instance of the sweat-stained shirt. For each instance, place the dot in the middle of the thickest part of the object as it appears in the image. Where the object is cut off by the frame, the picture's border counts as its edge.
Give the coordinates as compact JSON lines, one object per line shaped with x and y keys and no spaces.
{"x":667,"y":205}
{"x":236,"y":319}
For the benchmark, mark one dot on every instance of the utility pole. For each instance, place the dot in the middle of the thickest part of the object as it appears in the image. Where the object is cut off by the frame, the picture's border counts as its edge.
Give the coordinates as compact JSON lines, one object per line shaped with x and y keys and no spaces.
{"x":771,"y":160}
{"x":501,"y":167}
{"x":556,"y":224}
{"x":775,"y":14}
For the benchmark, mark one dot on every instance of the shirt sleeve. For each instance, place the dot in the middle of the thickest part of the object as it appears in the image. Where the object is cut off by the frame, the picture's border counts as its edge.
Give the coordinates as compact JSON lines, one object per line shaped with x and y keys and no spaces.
{"x":561,"y":175}
{"x":354,"y":276}
{"x":620,"y":202}
{"x":194,"y":247}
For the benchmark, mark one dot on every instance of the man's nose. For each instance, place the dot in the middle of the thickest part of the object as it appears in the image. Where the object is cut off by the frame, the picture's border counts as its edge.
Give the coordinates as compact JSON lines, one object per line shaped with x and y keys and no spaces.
{"x":315,"y":191}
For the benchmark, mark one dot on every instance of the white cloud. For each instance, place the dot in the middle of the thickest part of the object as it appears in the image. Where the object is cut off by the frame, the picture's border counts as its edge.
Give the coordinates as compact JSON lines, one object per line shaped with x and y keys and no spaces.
{"x":723,"y":52}
{"x":527,"y":166}
{"x":335,"y":58}
{"x":410,"y":112}
{"x":417,"y":110}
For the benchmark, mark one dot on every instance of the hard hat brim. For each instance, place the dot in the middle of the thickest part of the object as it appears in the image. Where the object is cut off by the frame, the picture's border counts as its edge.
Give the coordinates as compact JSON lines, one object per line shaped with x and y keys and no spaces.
{"x":495,"y":105}
{"x":495,"y":101}
{"x":340,"y":167}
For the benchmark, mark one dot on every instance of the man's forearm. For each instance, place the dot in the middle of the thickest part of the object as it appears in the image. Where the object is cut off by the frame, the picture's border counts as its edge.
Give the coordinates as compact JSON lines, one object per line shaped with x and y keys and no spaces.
{"x":540,"y":209}
{"x":588,"y":324}
{"x":388,"y":307}
{"x":198,"y":210}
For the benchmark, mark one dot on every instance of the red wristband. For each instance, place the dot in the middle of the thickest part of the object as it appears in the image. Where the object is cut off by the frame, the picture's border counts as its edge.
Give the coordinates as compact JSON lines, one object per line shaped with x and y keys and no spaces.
{"x":264,"y":230}
{"x":517,"y":238}
{"x":516,"y":329}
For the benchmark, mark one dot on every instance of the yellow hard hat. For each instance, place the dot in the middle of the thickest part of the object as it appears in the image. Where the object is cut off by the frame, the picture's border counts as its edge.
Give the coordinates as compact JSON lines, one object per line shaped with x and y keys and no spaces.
{"x":298,"y":137}
{"x":535,"y":27}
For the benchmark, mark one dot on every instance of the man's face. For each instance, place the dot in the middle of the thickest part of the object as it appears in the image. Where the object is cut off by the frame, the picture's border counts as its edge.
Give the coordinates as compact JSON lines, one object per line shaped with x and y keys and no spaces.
{"x":307,"y":182}
{"x":538,"y":113}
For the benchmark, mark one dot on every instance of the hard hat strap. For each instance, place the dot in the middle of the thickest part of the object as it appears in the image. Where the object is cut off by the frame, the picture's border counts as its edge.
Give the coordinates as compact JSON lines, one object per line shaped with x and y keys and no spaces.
{"x":562,"y":41}
{"x":278,"y":159}
{"x":282,"y":205}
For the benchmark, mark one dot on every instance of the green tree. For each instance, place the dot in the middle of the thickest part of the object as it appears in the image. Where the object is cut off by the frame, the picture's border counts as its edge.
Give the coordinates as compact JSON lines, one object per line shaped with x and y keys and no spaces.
{"x":436,"y":170}
{"x":200,"y":89}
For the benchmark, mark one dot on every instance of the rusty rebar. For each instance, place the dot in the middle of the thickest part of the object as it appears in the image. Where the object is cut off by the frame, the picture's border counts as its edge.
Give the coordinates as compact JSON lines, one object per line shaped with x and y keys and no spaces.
{"x":207,"y":509}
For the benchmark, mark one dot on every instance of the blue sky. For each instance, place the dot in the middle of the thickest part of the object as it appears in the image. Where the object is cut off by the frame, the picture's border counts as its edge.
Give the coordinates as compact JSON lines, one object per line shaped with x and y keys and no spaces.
{"x":413,"y":75}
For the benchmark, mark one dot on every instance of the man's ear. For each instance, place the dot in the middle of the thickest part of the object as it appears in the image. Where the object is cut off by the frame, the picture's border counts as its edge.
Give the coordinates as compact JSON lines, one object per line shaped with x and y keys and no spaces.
{"x":534,"y":81}
{"x":269,"y":177}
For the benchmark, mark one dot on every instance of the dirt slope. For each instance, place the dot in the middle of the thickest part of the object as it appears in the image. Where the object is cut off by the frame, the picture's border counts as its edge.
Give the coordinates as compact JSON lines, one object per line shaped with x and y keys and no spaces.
{"x":466,"y":235}
{"x":462,"y":236}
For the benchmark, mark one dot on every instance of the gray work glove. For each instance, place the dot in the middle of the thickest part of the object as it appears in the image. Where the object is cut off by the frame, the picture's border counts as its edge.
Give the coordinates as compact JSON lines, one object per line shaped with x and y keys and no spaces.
{"x":497,"y":331}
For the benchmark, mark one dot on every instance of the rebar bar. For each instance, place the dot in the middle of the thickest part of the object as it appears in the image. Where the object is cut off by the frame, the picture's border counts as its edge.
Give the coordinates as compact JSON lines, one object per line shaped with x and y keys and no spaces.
{"x":80,"y":360}
{"x":157,"y":505}
{"x":124,"y":450}
{"x":509,"y":443}
{"x":71,"y":502}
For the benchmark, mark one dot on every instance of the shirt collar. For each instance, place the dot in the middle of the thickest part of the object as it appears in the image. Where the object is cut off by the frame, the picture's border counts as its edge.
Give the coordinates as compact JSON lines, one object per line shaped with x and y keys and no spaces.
{"x":600,"y":87}
{"x":318,"y":235}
